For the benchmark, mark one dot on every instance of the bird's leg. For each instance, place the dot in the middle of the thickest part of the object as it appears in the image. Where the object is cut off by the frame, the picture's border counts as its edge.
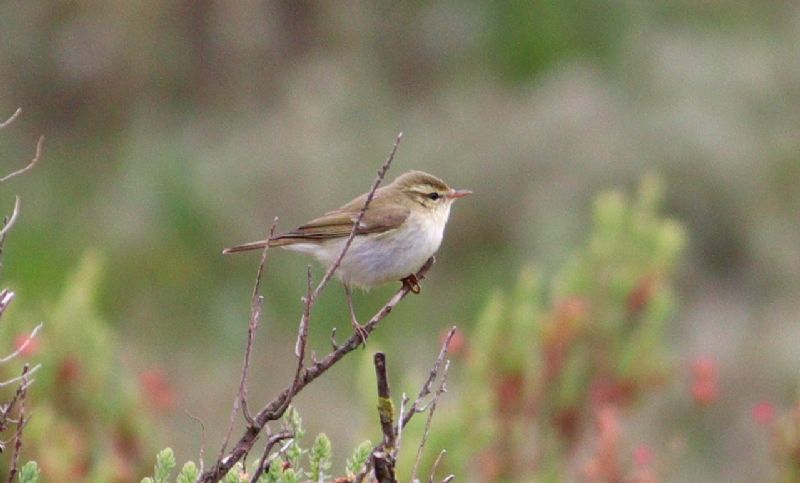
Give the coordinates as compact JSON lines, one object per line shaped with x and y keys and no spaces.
{"x":353,"y":320}
{"x":411,"y":282}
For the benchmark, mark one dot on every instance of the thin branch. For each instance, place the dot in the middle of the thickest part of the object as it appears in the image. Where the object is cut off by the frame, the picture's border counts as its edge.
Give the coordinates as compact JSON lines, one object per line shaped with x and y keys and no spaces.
{"x":23,"y":345}
{"x":436,"y":464}
{"x":256,"y":302}
{"x":442,"y":389}
{"x":199,"y":421}
{"x":256,"y":306}
{"x":6,"y":296}
{"x":12,"y":220}
{"x":274,"y":409}
{"x":303,"y":376}
{"x":302,"y":341}
{"x":271,"y":442}
{"x":399,"y":430}
{"x":416,"y":406}
{"x":30,"y":165}
{"x":11,"y":119}
{"x":21,"y":377}
{"x":334,"y":345}
{"x":356,"y":225}
{"x":20,"y":396}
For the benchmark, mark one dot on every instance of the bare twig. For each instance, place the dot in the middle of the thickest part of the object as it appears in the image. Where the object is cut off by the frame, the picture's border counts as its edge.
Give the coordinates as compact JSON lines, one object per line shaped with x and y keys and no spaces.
{"x":13,"y":219}
{"x":334,"y":345}
{"x":20,"y":396}
{"x":357,"y":224}
{"x":6,"y":296}
{"x":199,"y":421}
{"x":11,"y":119}
{"x":256,"y":303}
{"x":440,"y":366}
{"x":264,"y":462}
{"x":442,"y":389}
{"x":304,"y":376}
{"x":311,"y":299}
{"x":274,"y":409}
{"x":30,"y":165}
{"x":23,"y":345}
{"x":26,"y":377}
{"x":436,"y":464}
{"x":417,"y":406}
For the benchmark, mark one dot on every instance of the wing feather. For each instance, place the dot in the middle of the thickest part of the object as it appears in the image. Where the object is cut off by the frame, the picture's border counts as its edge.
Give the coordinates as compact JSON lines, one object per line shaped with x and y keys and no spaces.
{"x":379,"y":218}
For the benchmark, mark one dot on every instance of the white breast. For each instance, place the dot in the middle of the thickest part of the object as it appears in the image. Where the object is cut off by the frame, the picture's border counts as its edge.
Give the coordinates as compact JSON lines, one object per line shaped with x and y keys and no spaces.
{"x":373,"y":260}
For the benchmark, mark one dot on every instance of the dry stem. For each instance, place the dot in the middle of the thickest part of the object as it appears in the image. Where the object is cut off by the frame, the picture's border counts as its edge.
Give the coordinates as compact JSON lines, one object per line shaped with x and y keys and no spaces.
{"x":303,"y":375}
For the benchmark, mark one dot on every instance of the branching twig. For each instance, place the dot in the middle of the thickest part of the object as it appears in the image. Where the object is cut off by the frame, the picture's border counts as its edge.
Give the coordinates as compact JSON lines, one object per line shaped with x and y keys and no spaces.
{"x":32,"y":162}
{"x":256,"y":303}
{"x":417,"y":406}
{"x":357,"y":223}
{"x":310,"y":300}
{"x":199,"y":421}
{"x":442,"y":389}
{"x":23,"y":345}
{"x":264,"y":462}
{"x":19,"y":396}
{"x":436,"y":464}
{"x":303,"y":376}
{"x":440,"y":367}
{"x":272,"y":410}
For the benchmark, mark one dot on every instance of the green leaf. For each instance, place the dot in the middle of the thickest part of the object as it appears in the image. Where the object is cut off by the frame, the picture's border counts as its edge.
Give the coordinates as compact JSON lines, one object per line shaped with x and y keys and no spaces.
{"x":29,"y":473}
{"x":359,"y":458}
{"x":320,"y":457}
{"x":189,"y":473}
{"x":235,"y":475}
{"x":290,"y":476}
{"x":165,"y":463}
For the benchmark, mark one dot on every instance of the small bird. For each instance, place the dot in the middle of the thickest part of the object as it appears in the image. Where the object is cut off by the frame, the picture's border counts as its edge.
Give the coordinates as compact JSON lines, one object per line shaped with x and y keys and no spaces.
{"x":400,"y":230}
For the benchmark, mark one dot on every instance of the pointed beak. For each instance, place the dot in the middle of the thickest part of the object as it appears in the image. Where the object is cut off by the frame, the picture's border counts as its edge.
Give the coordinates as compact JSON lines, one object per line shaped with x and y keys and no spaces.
{"x":453,"y":194}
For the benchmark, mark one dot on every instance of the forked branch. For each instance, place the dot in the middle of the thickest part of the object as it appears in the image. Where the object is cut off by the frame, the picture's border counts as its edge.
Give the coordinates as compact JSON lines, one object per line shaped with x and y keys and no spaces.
{"x":304,"y":375}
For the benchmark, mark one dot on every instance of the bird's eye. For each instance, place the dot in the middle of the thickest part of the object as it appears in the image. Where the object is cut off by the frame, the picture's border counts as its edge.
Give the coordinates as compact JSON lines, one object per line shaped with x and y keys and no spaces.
{"x":434,"y":196}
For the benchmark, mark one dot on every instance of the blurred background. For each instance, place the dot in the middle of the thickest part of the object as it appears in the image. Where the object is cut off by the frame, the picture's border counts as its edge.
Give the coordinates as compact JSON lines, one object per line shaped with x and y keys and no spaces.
{"x":176,"y":129}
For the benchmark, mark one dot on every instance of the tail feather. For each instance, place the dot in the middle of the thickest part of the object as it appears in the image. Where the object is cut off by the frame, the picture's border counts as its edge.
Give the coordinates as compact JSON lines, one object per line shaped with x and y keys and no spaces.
{"x":278,"y":241}
{"x":259,"y":245}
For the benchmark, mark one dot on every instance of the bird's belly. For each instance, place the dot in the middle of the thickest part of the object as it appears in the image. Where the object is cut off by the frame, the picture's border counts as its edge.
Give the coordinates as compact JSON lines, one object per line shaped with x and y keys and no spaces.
{"x":373,"y":260}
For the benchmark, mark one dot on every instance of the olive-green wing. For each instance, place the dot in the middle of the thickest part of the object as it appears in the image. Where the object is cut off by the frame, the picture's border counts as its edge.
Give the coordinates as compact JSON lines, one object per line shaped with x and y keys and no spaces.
{"x":339,"y":223}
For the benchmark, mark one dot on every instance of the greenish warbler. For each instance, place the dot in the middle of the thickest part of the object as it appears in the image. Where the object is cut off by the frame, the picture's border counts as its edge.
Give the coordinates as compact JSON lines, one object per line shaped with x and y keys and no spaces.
{"x":401,"y":228}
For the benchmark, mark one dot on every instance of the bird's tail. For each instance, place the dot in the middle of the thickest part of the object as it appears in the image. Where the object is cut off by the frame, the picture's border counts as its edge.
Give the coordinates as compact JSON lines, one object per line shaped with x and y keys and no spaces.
{"x":259,"y":245}
{"x":278,"y":241}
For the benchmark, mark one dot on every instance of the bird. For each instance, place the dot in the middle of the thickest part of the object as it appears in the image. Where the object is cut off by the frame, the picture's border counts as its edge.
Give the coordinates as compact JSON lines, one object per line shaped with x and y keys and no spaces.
{"x":400,"y":230}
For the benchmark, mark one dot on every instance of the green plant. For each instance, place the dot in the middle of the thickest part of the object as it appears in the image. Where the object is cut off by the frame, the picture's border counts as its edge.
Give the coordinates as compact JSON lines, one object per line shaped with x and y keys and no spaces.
{"x":291,"y":464}
{"x":550,"y":366}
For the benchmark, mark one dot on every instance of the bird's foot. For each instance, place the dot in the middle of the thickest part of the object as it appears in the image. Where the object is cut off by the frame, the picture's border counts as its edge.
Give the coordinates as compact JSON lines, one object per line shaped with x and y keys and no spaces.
{"x":412,"y":283}
{"x":361,"y":331}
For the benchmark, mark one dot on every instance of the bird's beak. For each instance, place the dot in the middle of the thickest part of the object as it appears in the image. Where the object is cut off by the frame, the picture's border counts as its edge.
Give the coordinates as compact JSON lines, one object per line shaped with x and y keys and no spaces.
{"x":453,"y":194}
